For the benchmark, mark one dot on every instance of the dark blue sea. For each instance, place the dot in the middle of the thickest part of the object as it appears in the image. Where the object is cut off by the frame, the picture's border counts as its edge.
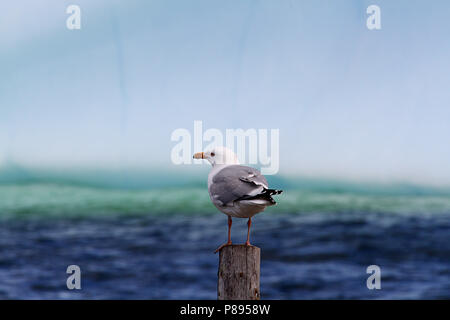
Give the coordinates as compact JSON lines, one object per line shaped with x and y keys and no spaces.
{"x":127,"y":251}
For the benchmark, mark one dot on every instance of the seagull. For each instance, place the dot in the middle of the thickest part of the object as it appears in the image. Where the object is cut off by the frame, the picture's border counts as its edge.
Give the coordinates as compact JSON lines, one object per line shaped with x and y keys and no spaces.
{"x":237,"y":191}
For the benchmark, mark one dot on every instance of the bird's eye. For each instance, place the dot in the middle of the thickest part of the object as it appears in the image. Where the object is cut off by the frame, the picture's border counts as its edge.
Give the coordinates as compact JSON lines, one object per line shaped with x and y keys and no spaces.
{"x":212,"y":154}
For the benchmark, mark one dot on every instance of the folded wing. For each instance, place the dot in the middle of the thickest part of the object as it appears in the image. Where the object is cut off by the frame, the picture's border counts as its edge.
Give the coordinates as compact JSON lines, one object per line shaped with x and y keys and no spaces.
{"x":235,"y":183}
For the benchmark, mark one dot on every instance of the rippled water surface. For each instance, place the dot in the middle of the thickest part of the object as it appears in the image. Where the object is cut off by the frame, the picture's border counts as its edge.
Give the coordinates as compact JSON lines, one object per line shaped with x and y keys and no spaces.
{"x":304,"y":256}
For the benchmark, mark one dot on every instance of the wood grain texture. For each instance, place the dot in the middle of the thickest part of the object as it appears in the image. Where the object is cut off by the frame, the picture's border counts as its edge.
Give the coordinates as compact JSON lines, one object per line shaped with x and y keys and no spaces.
{"x":238,"y":275}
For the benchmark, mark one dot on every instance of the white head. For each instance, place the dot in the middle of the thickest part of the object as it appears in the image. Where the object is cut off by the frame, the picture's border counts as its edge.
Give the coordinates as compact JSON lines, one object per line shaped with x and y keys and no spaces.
{"x":218,"y":155}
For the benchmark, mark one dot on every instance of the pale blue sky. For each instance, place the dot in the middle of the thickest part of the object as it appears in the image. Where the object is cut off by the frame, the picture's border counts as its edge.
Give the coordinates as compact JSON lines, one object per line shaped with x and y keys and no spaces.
{"x":349,"y":102}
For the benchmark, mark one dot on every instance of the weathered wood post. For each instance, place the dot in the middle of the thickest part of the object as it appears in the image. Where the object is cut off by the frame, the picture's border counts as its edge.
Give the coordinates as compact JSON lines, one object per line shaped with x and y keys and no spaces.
{"x":238,"y":273}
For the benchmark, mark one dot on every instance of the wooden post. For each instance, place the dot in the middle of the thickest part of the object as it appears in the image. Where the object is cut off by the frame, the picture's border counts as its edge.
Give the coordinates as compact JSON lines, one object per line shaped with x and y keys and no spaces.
{"x":239,"y":273}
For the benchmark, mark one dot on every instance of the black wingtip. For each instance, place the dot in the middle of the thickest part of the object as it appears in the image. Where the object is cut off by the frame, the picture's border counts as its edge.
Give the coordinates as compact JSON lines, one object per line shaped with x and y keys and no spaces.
{"x":274,"y":191}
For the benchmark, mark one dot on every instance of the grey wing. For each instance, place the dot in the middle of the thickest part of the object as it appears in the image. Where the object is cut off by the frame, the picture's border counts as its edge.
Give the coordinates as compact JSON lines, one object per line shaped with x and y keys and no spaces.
{"x":235,"y":182}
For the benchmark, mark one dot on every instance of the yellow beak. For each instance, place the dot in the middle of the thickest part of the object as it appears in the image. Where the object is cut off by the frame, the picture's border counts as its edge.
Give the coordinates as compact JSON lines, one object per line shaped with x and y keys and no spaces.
{"x":199,"y":155}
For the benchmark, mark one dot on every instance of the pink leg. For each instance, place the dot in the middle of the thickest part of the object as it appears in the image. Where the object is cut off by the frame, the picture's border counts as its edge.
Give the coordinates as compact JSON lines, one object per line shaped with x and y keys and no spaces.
{"x":249,"y":224}
{"x":229,"y":236}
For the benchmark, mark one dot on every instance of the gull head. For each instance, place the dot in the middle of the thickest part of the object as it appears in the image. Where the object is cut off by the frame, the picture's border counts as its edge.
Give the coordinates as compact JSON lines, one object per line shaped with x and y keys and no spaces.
{"x":218,"y":156}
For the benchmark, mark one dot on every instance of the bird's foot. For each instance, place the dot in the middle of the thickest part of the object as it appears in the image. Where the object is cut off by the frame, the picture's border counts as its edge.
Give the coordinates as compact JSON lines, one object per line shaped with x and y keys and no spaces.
{"x":248,"y":244}
{"x":224,"y":245}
